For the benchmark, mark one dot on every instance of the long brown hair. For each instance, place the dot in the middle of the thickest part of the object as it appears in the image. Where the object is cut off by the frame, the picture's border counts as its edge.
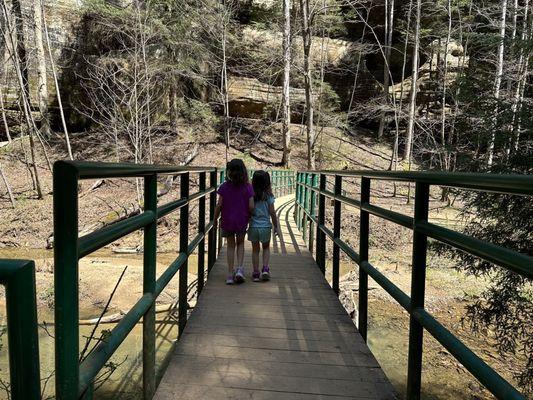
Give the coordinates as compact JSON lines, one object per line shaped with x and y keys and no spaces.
{"x":236,"y":172}
{"x":262,"y":186}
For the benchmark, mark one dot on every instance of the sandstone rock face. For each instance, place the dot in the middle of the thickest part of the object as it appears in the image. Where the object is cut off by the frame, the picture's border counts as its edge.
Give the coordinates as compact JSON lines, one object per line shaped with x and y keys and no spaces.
{"x":342,"y":60}
{"x":250,"y":98}
{"x":62,"y":18}
{"x":335,"y":50}
{"x":455,"y":59}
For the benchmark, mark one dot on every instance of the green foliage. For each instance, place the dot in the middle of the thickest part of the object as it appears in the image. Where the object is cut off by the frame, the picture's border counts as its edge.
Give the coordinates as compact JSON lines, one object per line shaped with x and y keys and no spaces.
{"x":506,"y":307}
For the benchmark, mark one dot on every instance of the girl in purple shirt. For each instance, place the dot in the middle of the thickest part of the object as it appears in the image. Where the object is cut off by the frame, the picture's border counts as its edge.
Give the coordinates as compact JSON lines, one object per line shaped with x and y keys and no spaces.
{"x":235,"y":203}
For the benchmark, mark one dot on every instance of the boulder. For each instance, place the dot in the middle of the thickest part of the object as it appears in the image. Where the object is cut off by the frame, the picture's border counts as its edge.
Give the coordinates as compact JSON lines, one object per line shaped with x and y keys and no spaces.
{"x":249,"y":98}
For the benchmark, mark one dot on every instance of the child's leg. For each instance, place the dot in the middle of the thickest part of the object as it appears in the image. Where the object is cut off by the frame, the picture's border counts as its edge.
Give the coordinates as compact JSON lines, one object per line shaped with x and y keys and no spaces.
{"x":256,"y":248}
{"x":266,"y":253}
{"x":230,"y":240}
{"x":240,"y":250}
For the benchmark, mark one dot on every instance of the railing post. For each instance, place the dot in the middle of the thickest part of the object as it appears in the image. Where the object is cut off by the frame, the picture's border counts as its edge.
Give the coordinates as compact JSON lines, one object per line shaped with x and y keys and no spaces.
{"x":23,"y":339}
{"x":66,"y":281}
{"x":336,"y":234}
{"x":212,"y":243}
{"x":364,"y":226}
{"x":320,"y":235}
{"x":305,"y":206}
{"x":149,"y":276}
{"x":184,"y":245}
{"x":201,"y":229}
{"x":299,"y":200}
{"x":312,"y":211}
{"x":418,"y":283}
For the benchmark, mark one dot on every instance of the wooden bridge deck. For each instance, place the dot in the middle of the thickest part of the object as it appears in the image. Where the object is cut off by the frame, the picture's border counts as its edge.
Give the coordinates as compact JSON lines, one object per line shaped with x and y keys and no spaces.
{"x":289,"y":338}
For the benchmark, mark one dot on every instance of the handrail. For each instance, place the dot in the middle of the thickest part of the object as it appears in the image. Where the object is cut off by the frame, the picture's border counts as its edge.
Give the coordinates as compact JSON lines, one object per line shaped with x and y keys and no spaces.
{"x":18,"y":277}
{"x":74,"y":380}
{"x":311,"y":185}
{"x":500,"y":183}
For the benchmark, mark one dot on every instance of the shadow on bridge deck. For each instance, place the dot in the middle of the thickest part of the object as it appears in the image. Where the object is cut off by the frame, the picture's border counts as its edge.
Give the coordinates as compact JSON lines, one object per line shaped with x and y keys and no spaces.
{"x":289,"y":338}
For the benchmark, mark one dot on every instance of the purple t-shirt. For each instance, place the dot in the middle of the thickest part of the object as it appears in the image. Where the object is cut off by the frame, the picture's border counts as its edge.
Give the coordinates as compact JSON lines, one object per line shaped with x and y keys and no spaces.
{"x":235,"y":212}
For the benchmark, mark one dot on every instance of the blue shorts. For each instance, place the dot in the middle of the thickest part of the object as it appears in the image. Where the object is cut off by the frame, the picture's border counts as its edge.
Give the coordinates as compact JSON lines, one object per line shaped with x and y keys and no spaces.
{"x":262,"y":235}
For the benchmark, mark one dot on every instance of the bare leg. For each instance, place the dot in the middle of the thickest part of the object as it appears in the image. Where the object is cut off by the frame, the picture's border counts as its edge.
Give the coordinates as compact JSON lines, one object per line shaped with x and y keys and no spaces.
{"x":240,"y":250}
{"x":256,"y":248}
{"x":230,"y":240}
{"x":266,"y":253}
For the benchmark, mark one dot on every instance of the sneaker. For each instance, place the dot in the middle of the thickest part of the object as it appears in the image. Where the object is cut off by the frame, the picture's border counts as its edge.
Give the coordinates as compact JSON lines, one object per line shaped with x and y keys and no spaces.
{"x":256,"y":276}
{"x":229,"y":280}
{"x":239,"y":275}
{"x":265,"y":273}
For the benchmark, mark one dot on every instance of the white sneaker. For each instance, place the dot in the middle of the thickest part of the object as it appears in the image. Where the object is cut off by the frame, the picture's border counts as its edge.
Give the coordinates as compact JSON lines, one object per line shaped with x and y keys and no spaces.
{"x":229,"y":280}
{"x":239,"y":275}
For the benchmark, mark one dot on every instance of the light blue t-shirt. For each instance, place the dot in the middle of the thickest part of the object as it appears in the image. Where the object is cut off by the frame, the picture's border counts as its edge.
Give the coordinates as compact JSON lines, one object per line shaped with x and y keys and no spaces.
{"x":261,"y":215}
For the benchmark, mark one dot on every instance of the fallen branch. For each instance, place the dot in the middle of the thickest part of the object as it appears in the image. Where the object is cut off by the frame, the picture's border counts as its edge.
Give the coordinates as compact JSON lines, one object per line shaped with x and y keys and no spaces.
{"x":170,"y":179}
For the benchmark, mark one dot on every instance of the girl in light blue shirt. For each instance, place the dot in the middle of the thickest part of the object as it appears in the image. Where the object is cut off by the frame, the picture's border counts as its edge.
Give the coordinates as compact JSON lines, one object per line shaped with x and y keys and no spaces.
{"x":262,"y":220}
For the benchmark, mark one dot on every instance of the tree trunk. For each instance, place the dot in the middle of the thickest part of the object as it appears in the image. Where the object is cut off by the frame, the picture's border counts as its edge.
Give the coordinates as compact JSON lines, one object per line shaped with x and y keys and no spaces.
{"x":309,"y":106}
{"x":20,"y":62}
{"x":395,"y":150}
{"x":443,"y":77}
{"x":389,"y":27}
{"x":523,"y":67}
{"x":414,"y":76}
{"x":42,"y":88}
{"x":9,"y":192}
{"x":286,"y":124}
{"x":498,"y":82}
{"x":4,"y":118}
{"x":56,"y":82}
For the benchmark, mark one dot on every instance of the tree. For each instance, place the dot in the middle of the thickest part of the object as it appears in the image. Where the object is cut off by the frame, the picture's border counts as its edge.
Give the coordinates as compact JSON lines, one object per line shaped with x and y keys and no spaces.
{"x":308,"y":83}
{"x":42,"y":84}
{"x":414,"y":87}
{"x":286,"y":107}
{"x":389,"y":28}
{"x":498,"y":81}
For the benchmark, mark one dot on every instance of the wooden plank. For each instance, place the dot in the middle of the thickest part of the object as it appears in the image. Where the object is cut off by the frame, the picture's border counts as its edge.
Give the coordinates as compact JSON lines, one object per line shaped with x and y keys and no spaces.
{"x":289,"y":338}
{"x":268,"y":368}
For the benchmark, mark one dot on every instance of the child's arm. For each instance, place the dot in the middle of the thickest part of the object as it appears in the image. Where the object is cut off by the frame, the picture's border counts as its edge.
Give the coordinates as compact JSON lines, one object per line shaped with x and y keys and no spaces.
{"x":251,"y":205}
{"x":218,"y":208}
{"x":274,"y":217}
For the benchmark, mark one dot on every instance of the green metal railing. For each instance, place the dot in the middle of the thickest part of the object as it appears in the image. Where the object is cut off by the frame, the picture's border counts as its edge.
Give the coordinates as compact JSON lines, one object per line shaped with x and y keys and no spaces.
{"x":283,"y":180}
{"x":18,"y":277}
{"x":74,"y":379}
{"x":310,"y":218}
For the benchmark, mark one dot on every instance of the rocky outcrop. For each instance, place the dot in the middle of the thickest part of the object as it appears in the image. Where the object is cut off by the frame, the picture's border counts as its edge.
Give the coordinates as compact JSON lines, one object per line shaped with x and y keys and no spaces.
{"x":62,"y":18}
{"x":342,"y":61}
{"x":250,"y":98}
{"x":455,"y":59}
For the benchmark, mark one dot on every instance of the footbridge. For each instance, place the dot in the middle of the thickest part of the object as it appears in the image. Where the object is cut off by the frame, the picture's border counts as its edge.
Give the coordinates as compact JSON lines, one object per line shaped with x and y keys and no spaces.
{"x":289,"y":338}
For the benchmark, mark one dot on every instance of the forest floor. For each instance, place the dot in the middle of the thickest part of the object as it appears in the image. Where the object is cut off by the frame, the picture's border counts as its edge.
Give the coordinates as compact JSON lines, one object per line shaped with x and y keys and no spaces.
{"x":26,"y":232}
